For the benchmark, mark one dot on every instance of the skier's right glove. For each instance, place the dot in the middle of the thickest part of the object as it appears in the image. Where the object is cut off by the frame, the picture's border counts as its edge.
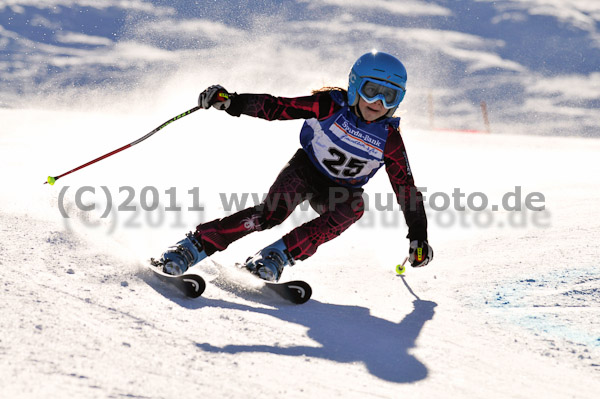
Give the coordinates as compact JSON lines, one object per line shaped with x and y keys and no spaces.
{"x":215,"y":96}
{"x":420,"y":253}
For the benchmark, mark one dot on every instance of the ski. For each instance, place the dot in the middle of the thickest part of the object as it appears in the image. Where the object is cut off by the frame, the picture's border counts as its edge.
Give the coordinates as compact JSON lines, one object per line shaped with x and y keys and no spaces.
{"x":296,"y":291}
{"x":192,"y":285}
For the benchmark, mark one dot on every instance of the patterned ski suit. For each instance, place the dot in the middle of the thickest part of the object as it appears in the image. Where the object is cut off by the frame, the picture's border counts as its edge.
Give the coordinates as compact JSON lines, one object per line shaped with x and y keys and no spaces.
{"x":340,"y":153}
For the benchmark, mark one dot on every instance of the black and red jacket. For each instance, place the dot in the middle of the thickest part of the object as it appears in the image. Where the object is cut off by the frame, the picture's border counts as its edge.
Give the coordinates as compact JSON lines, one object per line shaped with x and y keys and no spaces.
{"x":322,"y":106}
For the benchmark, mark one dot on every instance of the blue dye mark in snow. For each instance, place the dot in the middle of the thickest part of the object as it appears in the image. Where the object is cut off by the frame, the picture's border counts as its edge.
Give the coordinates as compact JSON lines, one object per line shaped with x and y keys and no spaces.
{"x":552,"y":304}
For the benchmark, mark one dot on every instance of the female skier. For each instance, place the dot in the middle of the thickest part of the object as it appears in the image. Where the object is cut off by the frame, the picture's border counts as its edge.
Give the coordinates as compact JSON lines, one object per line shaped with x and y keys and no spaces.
{"x":346,"y":138}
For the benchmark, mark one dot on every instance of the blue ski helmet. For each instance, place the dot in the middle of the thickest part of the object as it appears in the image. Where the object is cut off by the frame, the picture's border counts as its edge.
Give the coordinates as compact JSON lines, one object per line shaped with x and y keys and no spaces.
{"x":382,"y":69}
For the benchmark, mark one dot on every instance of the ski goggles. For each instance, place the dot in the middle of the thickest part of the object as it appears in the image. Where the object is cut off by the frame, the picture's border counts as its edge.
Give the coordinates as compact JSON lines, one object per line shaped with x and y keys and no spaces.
{"x":372,"y":90}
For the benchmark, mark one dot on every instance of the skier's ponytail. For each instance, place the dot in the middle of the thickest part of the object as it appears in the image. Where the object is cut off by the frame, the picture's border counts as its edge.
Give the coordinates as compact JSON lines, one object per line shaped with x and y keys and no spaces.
{"x":326,"y":89}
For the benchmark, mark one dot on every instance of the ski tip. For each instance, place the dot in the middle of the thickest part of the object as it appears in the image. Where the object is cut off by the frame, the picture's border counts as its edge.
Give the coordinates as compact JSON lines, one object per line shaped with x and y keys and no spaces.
{"x":194,"y":285}
{"x":304,"y":292}
{"x":190,"y":284}
{"x":297,"y":291}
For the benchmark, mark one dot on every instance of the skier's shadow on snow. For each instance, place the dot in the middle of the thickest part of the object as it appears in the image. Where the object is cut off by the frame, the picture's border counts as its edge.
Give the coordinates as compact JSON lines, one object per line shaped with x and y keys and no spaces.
{"x":348,"y":334}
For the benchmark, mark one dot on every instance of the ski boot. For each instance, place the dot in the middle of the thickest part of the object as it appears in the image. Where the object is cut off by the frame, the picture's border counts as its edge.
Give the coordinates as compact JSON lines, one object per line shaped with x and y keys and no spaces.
{"x":179,"y":258}
{"x":269,"y":262}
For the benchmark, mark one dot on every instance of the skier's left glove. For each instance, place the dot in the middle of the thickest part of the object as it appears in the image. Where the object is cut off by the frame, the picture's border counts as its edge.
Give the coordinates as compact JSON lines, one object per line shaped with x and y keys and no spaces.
{"x":420,"y":253}
{"x":215,"y":96}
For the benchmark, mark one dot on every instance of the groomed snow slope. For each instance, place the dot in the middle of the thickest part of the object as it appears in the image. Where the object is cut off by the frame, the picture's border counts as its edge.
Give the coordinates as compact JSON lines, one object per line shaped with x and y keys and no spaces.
{"x":510,"y":307}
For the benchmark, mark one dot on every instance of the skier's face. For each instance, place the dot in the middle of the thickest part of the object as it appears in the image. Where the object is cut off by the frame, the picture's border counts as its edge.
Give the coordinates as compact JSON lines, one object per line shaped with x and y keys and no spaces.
{"x":371,"y":112}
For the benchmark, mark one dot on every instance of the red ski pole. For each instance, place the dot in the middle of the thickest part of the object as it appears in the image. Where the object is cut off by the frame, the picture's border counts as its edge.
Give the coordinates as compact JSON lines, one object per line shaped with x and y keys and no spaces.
{"x":52,"y":179}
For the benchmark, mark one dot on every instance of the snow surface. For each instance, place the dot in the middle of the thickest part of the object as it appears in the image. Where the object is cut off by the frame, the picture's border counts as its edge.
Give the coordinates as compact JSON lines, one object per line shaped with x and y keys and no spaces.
{"x":501,"y":312}
{"x":510,"y":307}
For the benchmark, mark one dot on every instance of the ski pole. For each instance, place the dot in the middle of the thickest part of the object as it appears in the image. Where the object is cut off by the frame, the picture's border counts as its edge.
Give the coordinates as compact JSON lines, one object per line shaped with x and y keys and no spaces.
{"x":51,"y":180}
{"x":400,"y":269}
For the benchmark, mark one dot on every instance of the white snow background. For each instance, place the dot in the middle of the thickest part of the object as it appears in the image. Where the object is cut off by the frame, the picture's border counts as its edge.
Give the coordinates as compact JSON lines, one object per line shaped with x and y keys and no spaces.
{"x":508,"y":308}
